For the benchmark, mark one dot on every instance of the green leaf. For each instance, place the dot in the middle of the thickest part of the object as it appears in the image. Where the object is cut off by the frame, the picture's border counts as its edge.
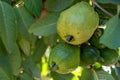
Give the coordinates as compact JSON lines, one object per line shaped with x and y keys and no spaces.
{"x":45,"y":26}
{"x":118,"y":9}
{"x":24,"y":20}
{"x":30,"y":67}
{"x":3,"y":75}
{"x":114,"y":73}
{"x":110,"y":37}
{"x":57,"y":76}
{"x":8,"y":1}
{"x":5,"y":64}
{"x":57,"y":5}
{"x":51,"y":40}
{"x":25,"y":76}
{"x":34,"y":6}
{"x":25,"y":46}
{"x":2,"y":47}
{"x":15,"y":61}
{"x":88,"y":74}
{"x":10,"y":62}
{"x":7,"y":26}
{"x":102,"y":75}
{"x":117,"y":70}
{"x":109,"y":1}
{"x":39,"y":50}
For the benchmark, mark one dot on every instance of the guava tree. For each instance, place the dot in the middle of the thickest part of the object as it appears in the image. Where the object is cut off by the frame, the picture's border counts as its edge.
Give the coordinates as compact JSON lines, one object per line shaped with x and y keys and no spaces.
{"x":59,"y":39}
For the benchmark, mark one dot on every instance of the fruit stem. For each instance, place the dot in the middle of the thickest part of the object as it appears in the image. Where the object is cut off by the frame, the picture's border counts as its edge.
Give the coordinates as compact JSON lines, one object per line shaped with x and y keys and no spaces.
{"x":105,"y":11}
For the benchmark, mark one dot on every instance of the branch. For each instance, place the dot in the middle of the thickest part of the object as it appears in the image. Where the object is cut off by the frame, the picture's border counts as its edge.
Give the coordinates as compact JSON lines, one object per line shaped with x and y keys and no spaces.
{"x":97,"y":5}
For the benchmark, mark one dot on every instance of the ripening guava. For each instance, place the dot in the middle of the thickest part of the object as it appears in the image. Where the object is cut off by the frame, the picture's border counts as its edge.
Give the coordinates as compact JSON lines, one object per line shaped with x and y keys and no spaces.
{"x":77,"y":24}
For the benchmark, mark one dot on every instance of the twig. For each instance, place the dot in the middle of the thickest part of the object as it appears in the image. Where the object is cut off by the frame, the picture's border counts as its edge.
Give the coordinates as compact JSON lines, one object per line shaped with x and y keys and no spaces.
{"x":97,"y":5}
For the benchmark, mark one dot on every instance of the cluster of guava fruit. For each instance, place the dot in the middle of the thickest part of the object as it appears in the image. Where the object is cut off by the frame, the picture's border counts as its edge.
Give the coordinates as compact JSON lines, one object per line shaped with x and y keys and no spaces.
{"x":77,"y":26}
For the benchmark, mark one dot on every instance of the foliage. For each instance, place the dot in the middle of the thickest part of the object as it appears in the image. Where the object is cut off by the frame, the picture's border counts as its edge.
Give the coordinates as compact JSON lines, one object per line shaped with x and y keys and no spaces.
{"x":28,"y":33}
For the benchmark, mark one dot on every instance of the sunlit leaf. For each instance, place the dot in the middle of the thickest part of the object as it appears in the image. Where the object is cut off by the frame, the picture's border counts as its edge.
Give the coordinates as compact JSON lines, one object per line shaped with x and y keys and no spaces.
{"x":7,"y":26}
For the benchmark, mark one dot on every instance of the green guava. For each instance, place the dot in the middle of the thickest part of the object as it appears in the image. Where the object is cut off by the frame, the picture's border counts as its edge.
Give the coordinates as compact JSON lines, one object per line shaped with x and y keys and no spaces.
{"x":77,"y":24}
{"x":64,"y":58}
{"x":110,"y":56}
{"x":89,"y":55}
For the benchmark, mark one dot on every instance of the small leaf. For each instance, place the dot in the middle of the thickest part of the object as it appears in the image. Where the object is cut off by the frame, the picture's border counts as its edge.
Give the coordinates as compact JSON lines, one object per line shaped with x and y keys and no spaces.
{"x":45,"y":26}
{"x":34,"y":6}
{"x":110,"y":37}
{"x":109,"y":1}
{"x":30,"y":67}
{"x":3,"y":75}
{"x":57,"y":5}
{"x":88,"y":74}
{"x":24,"y":21}
{"x":7,"y":26}
{"x":15,"y":61}
{"x":25,"y":46}
{"x":25,"y":76}
{"x":39,"y":50}
{"x":57,"y":76}
{"x":102,"y":75}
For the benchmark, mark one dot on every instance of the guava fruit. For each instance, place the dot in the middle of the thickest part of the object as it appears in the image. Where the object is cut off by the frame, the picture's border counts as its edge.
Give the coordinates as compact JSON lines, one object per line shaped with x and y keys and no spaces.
{"x":64,"y":58}
{"x":95,"y":39}
{"x":89,"y":55}
{"x":88,"y":74}
{"x":77,"y":24}
{"x":110,"y":56}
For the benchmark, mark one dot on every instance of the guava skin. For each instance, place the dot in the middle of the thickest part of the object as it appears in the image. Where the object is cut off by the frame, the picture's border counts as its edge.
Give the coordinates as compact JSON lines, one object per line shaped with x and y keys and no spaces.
{"x":79,"y":21}
{"x":110,"y":56}
{"x":89,"y":55}
{"x":64,"y":58}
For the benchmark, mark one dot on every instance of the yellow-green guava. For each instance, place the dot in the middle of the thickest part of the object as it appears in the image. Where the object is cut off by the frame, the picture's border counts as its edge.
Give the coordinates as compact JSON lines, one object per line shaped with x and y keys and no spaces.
{"x":77,"y":24}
